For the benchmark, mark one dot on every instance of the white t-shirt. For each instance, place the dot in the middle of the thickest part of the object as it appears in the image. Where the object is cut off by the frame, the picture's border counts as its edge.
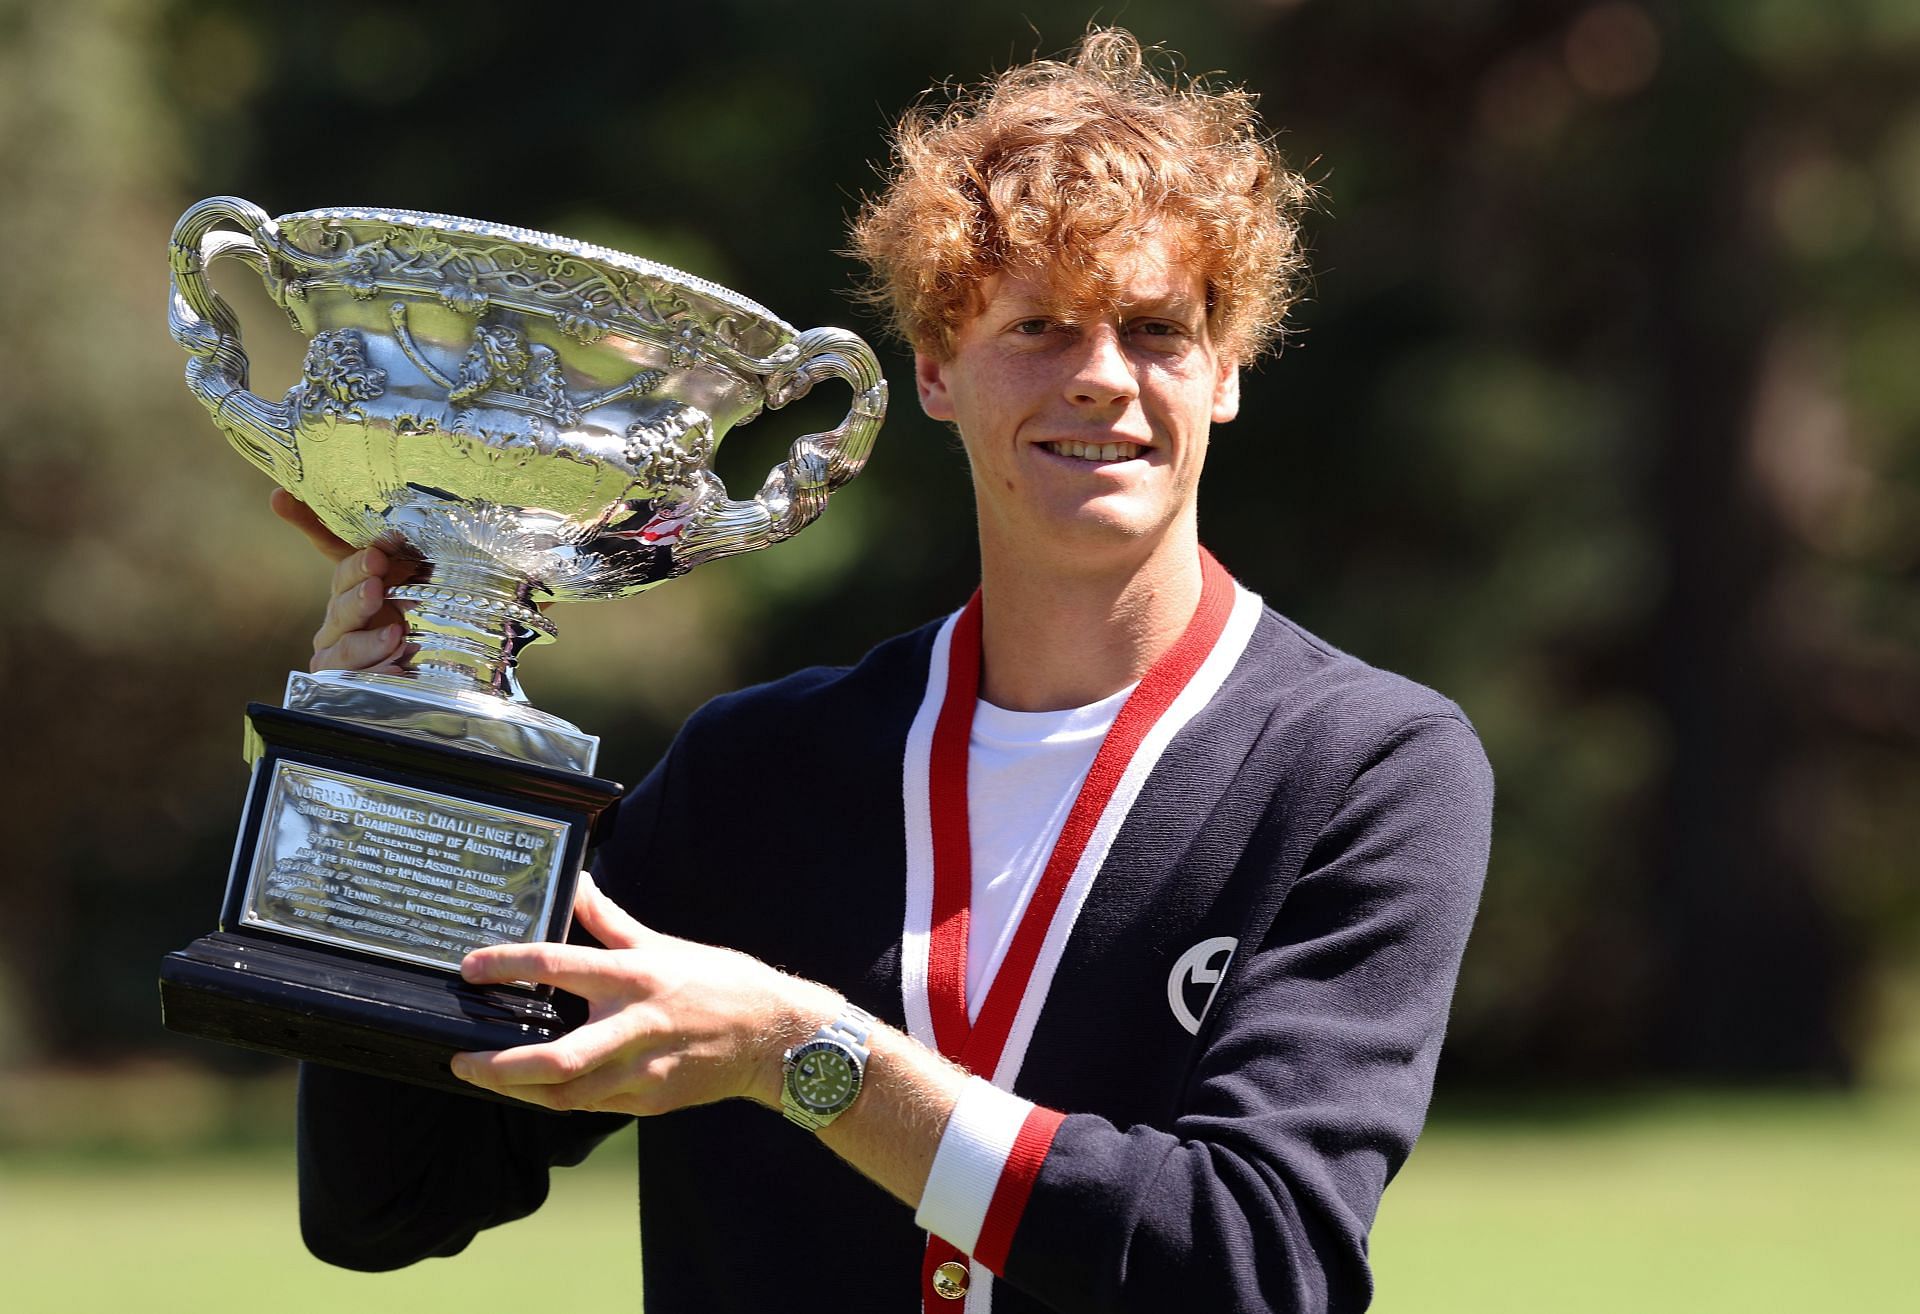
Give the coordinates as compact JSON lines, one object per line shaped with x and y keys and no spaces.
{"x":1024,"y":771}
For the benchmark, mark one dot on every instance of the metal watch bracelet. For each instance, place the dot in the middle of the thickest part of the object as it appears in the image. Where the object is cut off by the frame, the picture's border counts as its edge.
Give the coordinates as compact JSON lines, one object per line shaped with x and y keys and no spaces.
{"x":850,"y":1032}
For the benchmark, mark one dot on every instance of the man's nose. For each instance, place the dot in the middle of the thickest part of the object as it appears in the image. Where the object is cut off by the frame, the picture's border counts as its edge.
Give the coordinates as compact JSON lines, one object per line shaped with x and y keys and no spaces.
{"x":1103,"y":374}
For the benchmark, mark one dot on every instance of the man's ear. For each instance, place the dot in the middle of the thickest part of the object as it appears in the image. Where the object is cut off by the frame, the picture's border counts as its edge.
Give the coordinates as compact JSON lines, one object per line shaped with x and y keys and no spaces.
{"x":1226,"y":392}
{"x":930,"y":381}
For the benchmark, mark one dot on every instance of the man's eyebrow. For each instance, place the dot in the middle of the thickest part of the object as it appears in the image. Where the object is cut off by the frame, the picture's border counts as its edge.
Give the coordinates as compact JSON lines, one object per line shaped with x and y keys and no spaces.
{"x":1024,"y":302}
{"x":1176,"y":305}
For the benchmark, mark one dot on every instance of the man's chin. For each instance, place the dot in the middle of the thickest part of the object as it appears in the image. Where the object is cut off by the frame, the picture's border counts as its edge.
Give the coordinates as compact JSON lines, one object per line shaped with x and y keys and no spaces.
{"x":1099,"y":533}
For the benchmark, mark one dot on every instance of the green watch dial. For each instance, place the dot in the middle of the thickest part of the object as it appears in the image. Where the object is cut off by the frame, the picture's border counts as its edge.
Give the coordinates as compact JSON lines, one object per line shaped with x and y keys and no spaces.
{"x":824,"y":1079}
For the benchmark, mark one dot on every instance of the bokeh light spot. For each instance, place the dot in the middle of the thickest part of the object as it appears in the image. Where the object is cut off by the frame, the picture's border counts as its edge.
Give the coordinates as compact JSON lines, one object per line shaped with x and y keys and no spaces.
{"x":1525,"y":101}
{"x":1612,"y":50}
{"x":1822,"y":206}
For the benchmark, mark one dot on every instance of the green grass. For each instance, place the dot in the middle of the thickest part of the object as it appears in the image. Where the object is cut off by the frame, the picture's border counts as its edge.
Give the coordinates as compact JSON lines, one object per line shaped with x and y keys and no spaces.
{"x":1739,"y":1202}
{"x":209,"y":1235}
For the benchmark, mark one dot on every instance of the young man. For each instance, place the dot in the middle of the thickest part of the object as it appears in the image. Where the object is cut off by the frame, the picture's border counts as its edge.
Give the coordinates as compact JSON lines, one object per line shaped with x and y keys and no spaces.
{"x":1127,"y":976}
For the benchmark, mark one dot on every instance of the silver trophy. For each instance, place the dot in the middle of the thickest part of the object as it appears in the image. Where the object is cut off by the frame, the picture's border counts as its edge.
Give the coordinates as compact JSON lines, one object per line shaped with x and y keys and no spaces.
{"x":533,"y":420}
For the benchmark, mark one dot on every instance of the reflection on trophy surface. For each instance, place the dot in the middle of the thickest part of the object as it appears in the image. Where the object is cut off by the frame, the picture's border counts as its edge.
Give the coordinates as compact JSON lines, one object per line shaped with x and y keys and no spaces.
{"x":534,"y":420}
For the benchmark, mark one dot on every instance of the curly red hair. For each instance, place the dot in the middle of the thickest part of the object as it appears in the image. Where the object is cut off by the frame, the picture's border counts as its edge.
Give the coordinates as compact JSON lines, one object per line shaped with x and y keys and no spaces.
{"x":1058,"y":164}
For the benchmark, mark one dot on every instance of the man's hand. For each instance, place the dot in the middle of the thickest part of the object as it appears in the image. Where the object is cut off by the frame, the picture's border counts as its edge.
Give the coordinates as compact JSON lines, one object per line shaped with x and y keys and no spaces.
{"x":671,"y":1023}
{"x":362,"y":631}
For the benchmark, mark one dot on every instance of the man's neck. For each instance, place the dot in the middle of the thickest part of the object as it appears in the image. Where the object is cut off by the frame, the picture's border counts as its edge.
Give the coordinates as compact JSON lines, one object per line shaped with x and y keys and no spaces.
{"x":1054,"y":638}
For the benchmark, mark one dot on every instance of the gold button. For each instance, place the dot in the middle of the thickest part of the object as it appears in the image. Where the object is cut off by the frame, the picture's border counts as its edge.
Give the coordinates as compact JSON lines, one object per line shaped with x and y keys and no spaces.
{"x":950,"y":1280}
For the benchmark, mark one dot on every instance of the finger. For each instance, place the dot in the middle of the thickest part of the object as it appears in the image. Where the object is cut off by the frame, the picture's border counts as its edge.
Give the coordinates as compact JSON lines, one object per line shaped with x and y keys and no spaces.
{"x":301,"y":516}
{"x":364,"y":650}
{"x":574,"y":1056}
{"x":604,"y":919}
{"x":630,"y":1084}
{"x":369,"y":562}
{"x":359,"y":604}
{"x":354,"y":608}
{"x":476,"y":1069}
{"x":589,"y":973}
{"x":625,"y":1083}
{"x":397,"y":562}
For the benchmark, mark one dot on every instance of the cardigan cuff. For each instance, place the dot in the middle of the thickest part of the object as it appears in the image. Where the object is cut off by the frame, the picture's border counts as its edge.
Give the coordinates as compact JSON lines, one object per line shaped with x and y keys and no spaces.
{"x":984,"y":1170}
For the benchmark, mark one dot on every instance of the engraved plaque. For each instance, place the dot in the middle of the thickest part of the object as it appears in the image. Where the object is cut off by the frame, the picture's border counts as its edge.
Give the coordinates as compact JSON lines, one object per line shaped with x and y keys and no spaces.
{"x":404,"y":873}
{"x":369,"y":863}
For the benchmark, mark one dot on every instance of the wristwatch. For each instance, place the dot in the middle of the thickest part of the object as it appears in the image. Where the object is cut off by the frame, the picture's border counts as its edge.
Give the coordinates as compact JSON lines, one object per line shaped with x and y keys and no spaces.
{"x":823,"y":1074}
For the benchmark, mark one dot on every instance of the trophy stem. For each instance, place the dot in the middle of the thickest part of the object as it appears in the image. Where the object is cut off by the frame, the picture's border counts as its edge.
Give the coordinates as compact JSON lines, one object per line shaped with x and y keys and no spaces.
{"x":470,"y":625}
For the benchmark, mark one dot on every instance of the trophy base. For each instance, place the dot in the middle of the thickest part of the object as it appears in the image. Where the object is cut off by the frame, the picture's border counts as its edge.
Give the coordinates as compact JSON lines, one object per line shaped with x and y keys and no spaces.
{"x":369,"y":863}
{"x":388,"y":1021}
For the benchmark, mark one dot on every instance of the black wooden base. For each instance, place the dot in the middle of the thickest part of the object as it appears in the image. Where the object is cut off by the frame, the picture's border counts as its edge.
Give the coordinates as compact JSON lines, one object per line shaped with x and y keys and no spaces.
{"x":391,"y":1021}
{"x":337,"y":999}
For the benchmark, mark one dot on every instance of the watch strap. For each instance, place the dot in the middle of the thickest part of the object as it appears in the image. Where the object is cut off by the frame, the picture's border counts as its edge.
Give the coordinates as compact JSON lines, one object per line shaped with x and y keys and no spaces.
{"x":853,"y":1028}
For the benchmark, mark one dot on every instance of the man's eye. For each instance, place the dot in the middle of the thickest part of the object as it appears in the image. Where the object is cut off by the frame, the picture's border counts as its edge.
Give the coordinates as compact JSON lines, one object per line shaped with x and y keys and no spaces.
{"x":1157,"y":328}
{"x":1032,"y":327}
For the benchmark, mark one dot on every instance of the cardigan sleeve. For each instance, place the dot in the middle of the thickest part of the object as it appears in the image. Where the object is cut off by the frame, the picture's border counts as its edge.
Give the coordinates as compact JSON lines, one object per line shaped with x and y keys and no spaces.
{"x":392,"y":1173}
{"x":1315,"y":1066}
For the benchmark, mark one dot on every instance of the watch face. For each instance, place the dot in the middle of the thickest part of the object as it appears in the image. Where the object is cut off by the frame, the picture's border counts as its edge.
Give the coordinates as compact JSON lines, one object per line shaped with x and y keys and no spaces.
{"x":823,"y":1078}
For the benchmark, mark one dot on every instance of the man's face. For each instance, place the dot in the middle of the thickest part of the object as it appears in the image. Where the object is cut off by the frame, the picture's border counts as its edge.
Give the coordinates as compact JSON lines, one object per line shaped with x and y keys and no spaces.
{"x":1086,"y":432}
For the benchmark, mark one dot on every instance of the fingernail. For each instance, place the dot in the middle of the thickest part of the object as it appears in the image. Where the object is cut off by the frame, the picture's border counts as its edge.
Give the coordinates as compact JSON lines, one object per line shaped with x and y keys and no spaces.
{"x":389,"y":633}
{"x":462,"y":1067}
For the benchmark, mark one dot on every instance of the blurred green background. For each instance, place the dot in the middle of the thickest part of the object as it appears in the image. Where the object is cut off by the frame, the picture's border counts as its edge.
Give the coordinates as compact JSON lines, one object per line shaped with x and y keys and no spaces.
{"x":1603,"y":418}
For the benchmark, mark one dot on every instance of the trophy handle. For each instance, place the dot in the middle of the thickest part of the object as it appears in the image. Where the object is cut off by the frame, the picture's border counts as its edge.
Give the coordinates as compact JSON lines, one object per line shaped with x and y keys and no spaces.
{"x":201,"y":321}
{"x":796,"y":490}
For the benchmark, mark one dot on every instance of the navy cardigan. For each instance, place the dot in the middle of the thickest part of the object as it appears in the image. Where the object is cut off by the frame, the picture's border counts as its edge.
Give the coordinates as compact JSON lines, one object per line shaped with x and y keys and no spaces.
{"x":1329,"y":818}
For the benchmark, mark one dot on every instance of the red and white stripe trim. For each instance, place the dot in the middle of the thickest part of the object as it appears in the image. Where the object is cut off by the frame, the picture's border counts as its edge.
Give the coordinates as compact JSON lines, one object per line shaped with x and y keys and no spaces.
{"x":970,"y":1169}
{"x":995,"y":1142}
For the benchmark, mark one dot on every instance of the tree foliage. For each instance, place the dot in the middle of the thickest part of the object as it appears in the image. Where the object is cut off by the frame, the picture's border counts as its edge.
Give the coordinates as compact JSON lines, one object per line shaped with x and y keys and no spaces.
{"x":1602,"y":420}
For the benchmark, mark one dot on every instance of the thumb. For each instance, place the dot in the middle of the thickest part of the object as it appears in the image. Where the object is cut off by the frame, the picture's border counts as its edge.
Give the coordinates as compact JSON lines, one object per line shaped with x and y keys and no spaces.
{"x":604,"y":919}
{"x":301,"y":516}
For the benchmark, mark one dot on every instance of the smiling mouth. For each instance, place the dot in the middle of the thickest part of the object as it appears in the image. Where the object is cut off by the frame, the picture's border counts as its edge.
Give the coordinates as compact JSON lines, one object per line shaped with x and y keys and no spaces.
{"x":1096,"y":451}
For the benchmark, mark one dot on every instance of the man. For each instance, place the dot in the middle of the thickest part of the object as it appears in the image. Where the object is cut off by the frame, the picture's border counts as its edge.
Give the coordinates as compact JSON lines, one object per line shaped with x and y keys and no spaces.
{"x":1157,"y":899}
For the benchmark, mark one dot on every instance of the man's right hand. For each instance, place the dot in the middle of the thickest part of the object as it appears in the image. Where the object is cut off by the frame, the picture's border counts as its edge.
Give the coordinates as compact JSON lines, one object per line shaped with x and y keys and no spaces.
{"x":362,"y":631}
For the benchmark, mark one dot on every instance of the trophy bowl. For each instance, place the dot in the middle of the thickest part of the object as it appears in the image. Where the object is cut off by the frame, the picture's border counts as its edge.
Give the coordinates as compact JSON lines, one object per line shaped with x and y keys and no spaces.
{"x":528,"y":419}
{"x":534,"y":419}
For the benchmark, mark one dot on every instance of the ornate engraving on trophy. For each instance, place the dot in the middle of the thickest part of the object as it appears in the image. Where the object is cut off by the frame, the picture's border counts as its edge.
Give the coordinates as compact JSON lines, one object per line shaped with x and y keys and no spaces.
{"x":503,"y":369}
{"x":452,"y":260}
{"x":402,"y":873}
{"x":336,"y":377}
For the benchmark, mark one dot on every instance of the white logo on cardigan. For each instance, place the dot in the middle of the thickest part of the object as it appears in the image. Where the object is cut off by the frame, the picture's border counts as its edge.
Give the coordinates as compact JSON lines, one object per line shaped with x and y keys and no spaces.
{"x":1198,"y":967}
